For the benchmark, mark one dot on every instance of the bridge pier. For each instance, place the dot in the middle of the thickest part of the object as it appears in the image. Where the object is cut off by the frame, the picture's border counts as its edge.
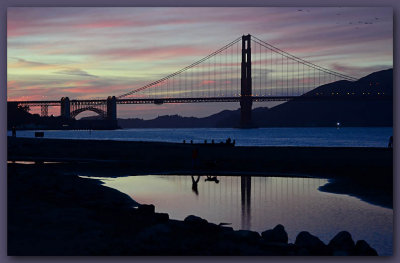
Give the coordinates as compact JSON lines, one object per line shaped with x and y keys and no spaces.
{"x":112,"y":108}
{"x":65,"y":108}
{"x":246,"y":100}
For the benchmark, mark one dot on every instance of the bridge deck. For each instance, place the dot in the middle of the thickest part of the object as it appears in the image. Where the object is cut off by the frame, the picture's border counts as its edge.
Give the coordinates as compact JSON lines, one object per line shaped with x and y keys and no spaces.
{"x":204,"y":100}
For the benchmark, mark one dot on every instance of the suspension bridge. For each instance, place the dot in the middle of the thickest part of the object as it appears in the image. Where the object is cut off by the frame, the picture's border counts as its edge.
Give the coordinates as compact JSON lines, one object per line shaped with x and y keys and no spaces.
{"x":246,"y":70}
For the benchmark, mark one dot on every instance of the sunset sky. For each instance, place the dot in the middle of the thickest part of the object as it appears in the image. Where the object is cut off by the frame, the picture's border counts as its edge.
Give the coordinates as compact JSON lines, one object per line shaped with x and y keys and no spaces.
{"x":97,"y":52}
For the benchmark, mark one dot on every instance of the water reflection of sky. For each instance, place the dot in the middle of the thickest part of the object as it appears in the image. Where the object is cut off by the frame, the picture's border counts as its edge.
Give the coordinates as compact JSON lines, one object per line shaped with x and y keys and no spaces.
{"x":260,"y":203}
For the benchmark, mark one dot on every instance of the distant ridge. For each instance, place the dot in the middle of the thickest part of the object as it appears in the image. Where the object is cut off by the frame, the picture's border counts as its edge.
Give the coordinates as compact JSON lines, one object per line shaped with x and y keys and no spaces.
{"x":300,"y":113}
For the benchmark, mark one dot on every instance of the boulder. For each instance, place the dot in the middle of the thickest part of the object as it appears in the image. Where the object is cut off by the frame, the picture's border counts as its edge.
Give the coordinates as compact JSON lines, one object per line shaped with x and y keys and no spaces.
{"x":362,"y":248}
{"x":161,"y":217}
{"x":311,"y":244}
{"x":226,"y":228}
{"x":277,"y":234}
{"x":195,"y":220}
{"x":247,"y":236}
{"x":146,"y":209}
{"x":342,"y":242}
{"x":302,"y":252}
{"x":342,"y":253}
{"x":195,"y":224}
{"x":157,"y":239}
{"x":277,"y":248}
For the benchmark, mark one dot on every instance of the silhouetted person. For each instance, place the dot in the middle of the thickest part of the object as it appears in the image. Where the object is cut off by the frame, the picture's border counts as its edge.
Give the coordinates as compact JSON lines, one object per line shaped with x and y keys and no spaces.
{"x":212,"y":178}
{"x":390,"y":145}
{"x":234,"y":142}
{"x":184,"y":141}
{"x":228,"y":141}
{"x":205,"y":141}
{"x":14,"y":132}
{"x":194,"y":184}
{"x":195,"y":155}
{"x":212,"y":141}
{"x":191,"y":141}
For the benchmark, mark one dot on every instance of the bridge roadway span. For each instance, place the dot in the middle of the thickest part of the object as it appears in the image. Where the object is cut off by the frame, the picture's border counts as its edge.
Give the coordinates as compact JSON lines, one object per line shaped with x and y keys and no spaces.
{"x":197,"y":100}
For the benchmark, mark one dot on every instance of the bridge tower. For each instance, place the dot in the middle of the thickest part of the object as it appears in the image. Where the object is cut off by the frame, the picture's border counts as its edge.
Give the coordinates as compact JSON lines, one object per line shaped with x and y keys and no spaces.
{"x":112,"y":108}
{"x":65,"y":108}
{"x":44,"y":110}
{"x":246,"y":100}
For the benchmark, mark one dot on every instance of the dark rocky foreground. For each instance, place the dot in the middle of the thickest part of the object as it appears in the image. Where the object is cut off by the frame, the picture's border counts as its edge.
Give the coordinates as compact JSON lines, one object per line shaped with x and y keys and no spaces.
{"x":62,"y":214}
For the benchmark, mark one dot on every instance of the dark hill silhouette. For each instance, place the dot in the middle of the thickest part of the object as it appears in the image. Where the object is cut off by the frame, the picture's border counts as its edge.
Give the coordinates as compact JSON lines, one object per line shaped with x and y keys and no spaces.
{"x":222,"y":119}
{"x":348,"y":112}
{"x":303,"y":113}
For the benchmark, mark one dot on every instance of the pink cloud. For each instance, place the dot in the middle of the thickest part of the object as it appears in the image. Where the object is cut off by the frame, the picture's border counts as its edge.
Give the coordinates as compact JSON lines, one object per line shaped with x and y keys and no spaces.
{"x":24,"y":98}
{"x":12,"y":83}
{"x":33,"y":21}
{"x":102,"y":24}
{"x":93,"y":90}
{"x":151,"y":53}
{"x":206,"y":82}
{"x":55,"y":90}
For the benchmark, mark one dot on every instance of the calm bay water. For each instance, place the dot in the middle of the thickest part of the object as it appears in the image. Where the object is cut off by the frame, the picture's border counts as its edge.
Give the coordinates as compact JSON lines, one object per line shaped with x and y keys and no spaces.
{"x":260,"y":203}
{"x":332,"y":137}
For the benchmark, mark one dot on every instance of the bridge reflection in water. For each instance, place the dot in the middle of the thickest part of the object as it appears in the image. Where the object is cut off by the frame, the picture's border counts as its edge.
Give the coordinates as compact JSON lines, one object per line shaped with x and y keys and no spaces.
{"x":260,"y":203}
{"x":235,"y":199}
{"x":245,"y":190}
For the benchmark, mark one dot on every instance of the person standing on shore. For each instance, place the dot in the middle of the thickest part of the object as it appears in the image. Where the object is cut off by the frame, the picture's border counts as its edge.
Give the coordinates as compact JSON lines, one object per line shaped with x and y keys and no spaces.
{"x":14,"y":132}
{"x":390,"y":145}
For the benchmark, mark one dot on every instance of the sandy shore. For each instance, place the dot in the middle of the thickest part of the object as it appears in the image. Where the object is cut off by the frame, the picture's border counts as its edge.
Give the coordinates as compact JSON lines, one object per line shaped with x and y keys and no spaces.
{"x":158,"y":156}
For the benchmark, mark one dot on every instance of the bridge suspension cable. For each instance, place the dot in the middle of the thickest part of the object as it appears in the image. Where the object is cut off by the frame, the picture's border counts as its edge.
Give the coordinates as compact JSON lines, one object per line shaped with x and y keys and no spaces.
{"x":302,"y":61}
{"x":181,"y":70}
{"x":276,"y":73}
